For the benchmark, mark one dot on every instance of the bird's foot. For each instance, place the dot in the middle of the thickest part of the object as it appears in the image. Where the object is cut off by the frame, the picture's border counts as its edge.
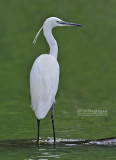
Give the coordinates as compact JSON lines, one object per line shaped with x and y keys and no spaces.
{"x":37,"y":141}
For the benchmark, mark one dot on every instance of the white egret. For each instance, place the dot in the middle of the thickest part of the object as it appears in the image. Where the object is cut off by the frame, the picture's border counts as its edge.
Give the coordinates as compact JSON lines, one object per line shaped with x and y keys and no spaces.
{"x":44,"y":75}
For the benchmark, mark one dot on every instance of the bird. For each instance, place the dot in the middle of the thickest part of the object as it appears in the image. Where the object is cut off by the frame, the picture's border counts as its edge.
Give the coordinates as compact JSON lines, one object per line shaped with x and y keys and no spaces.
{"x":44,"y":74}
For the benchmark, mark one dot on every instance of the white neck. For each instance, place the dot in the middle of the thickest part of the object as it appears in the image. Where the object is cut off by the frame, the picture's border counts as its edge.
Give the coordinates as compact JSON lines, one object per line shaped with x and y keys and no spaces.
{"x":51,"y":41}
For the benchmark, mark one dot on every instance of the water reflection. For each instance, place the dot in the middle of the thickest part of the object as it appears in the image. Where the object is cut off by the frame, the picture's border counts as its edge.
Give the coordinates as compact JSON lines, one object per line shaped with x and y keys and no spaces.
{"x":44,"y":153}
{"x":64,"y":149}
{"x":59,"y":141}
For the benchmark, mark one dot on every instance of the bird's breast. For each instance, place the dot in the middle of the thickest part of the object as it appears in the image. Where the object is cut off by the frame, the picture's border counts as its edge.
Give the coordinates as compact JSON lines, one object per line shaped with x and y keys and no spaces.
{"x":46,"y":64}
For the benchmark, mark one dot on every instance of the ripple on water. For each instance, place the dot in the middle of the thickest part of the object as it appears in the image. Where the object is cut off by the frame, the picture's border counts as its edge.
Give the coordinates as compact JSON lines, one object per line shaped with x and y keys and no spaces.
{"x":43,"y":159}
{"x":59,"y":141}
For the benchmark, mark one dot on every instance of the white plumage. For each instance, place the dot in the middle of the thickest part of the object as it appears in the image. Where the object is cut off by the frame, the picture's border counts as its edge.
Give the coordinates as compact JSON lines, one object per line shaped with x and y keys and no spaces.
{"x":44,"y":76}
{"x":44,"y":79}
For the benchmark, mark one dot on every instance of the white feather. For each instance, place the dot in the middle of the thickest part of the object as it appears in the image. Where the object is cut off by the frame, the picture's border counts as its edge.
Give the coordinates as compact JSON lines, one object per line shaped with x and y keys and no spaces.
{"x":44,"y":79}
{"x":44,"y":76}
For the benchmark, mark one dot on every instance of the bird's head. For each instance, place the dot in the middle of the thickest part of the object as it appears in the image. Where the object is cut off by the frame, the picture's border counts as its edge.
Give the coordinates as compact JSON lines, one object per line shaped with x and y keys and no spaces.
{"x":54,"y":22}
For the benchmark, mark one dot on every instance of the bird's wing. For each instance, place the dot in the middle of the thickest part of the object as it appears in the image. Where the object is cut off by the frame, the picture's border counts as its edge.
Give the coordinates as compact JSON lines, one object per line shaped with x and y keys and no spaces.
{"x":44,"y":79}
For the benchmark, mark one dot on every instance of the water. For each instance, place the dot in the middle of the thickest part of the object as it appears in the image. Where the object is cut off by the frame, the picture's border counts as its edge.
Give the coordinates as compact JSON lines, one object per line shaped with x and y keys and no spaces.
{"x":60,"y":152}
{"x":64,"y":149}
{"x":87,"y":79}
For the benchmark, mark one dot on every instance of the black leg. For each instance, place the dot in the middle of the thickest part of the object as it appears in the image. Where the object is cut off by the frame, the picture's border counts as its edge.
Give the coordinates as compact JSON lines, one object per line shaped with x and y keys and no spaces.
{"x":38,"y":121}
{"x":52,"y":117}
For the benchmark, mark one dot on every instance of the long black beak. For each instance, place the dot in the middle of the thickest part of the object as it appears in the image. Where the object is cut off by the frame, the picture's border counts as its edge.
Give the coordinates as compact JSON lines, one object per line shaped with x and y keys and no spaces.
{"x":70,"y":24}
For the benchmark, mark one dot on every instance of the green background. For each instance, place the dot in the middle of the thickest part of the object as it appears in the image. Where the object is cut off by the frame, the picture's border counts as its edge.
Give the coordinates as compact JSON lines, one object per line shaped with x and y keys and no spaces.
{"x":87,"y":61}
